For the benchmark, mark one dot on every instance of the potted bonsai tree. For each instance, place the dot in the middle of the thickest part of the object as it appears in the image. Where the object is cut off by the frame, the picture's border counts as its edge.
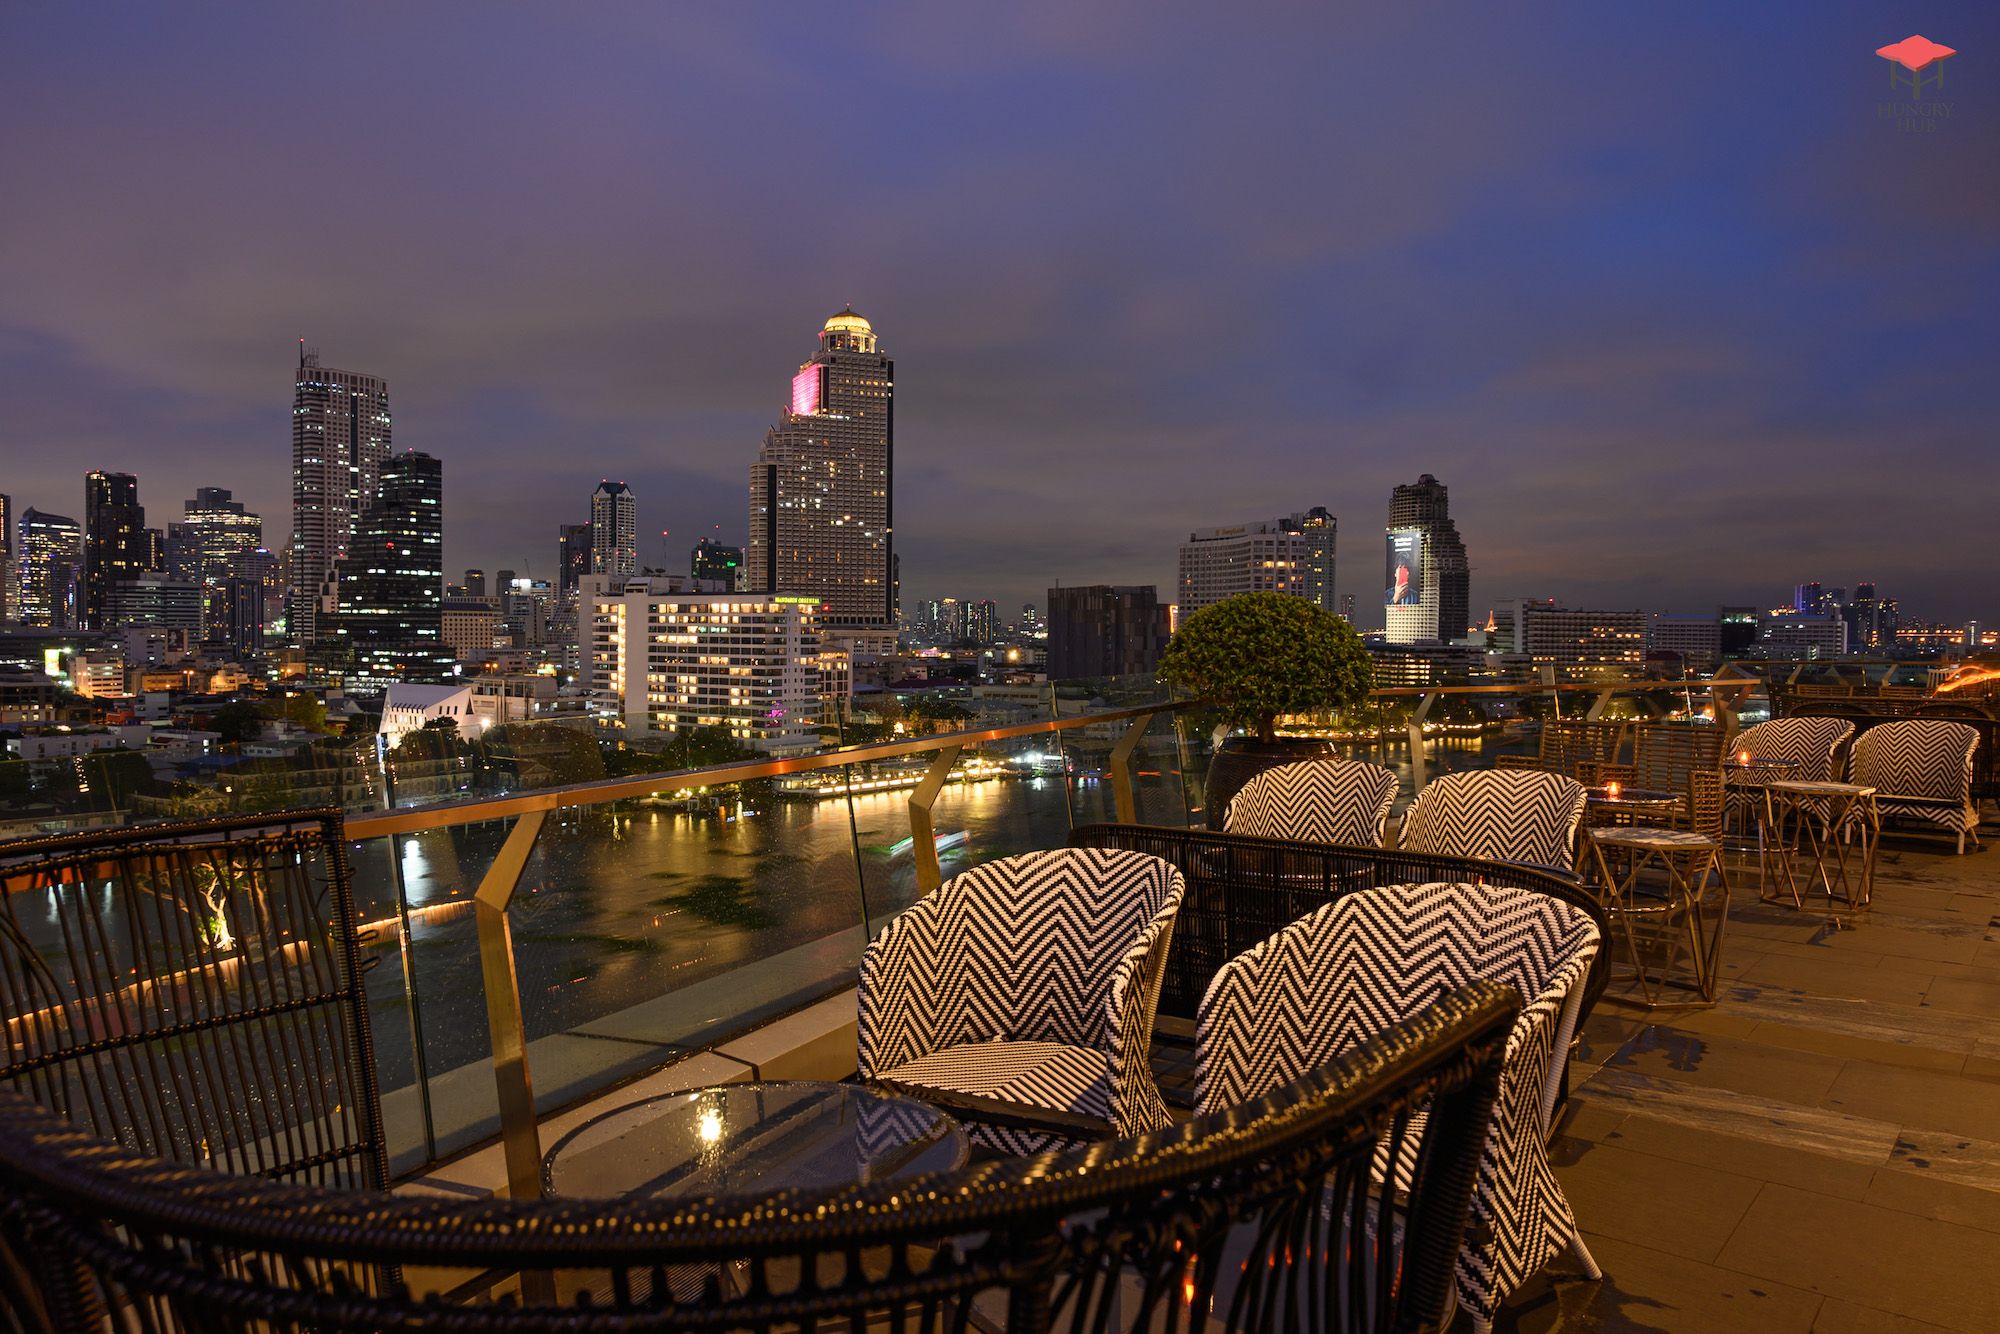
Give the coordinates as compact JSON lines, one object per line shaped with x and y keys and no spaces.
{"x":1258,"y":656}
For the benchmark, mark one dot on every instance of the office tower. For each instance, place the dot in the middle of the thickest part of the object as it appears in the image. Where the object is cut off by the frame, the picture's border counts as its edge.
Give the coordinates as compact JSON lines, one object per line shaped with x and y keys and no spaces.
{"x":1871,"y":619}
{"x":50,"y":557}
{"x":502,"y":581}
{"x":10,"y":594}
{"x":213,"y":531}
{"x":259,"y":569}
{"x":114,"y":541}
{"x":1429,"y":582}
{"x":153,"y":601}
{"x":659,"y":659}
{"x":340,"y":438}
{"x":820,"y":491}
{"x":1105,"y":630}
{"x":1737,"y":627}
{"x":475,"y":583}
{"x":573,"y":546}
{"x":982,"y":622}
{"x":712,"y":560}
{"x":614,"y":529}
{"x":1802,"y":635}
{"x":391,"y":583}
{"x":1347,"y":607}
{"x":1814,"y":600}
{"x":1030,"y":618}
{"x":1290,"y":555}
{"x":153,"y":546}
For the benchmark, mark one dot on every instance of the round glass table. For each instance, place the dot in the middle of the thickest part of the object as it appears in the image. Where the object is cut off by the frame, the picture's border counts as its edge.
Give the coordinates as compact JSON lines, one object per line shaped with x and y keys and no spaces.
{"x":753,"y":1139}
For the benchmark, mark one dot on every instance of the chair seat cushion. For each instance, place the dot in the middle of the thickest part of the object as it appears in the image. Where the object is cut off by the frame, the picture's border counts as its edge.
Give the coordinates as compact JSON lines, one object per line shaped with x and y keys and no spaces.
{"x":1033,"y":1074}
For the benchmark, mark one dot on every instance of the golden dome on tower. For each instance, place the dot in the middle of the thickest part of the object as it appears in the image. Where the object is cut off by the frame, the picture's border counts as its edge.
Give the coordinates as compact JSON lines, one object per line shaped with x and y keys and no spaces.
{"x":847,"y":322}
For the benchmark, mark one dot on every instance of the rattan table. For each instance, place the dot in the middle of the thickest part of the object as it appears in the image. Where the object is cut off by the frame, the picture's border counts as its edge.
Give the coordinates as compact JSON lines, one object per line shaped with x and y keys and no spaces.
{"x":1689,"y":865}
{"x":1836,"y":824}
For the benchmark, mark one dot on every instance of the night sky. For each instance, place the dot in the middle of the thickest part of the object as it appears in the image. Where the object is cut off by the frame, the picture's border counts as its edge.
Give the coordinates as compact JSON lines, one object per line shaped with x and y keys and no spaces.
{"x":1656,"y":289}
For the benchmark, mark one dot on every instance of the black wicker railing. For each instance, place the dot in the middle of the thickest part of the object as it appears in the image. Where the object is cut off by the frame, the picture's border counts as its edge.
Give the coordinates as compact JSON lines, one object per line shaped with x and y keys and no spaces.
{"x":1264,"y":1217}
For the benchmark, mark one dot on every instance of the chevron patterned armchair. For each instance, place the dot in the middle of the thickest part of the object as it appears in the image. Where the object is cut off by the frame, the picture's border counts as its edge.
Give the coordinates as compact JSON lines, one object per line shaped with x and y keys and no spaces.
{"x":1508,"y":815}
{"x":1329,"y":981}
{"x":1316,"y":801}
{"x":1921,"y":769}
{"x":1020,"y":996}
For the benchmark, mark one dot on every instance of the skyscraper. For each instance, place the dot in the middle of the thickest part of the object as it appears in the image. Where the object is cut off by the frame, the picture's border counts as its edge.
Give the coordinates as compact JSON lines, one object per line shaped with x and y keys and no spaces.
{"x":614,"y":530}
{"x":10,"y":595}
{"x":255,"y":592}
{"x":1429,"y":581}
{"x":821,"y":489}
{"x":213,"y":530}
{"x":1290,"y":555}
{"x":114,"y":541}
{"x":475,"y":583}
{"x":391,"y":582}
{"x":50,"y":558}
{"x":340,"y":438}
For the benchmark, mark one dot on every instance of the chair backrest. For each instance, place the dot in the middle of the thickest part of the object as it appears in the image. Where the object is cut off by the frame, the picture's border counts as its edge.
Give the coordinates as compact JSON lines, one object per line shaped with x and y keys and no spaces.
{"x":1026,"y":945}
{"x":1570,"y":743}
{"x":1708,"y":803}
{"x":194,"y":992}
{"x":1316,"y":801}
{"x":1194,"y":1214}
{"x":1664,"y":754}
{"x":1241,"y":890}
{"x":1916,"y":757}
{"x":1810,"y":743}
{"x":1514,"y":815}
{"x":1327,"y":982}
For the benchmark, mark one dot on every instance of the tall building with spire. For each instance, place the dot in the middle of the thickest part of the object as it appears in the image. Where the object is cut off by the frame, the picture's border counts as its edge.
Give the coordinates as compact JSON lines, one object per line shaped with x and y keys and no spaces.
{"x":115,"y":545}
{"x":1429,"y":581}
{"x":340,"y":439}
{"x":821,"y":490}
{"x":614,"y":530}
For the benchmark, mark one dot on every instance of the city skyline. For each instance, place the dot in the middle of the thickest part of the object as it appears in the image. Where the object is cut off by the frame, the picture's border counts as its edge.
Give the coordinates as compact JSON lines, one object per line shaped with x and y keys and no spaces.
{"x":1573,"y":314}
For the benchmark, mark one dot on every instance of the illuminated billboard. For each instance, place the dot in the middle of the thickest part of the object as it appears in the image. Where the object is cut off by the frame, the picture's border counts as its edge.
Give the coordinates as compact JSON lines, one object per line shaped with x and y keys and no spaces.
{"x":1406,"y":568}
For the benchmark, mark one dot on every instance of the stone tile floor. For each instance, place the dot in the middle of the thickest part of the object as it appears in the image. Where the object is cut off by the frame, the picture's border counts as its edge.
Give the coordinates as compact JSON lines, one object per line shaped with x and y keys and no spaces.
{"x":1820,"y":1149}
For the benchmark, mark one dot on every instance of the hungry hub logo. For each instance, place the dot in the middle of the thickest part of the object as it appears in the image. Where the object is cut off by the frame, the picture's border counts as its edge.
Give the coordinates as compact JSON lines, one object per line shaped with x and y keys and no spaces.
{"x":1916,"y":62}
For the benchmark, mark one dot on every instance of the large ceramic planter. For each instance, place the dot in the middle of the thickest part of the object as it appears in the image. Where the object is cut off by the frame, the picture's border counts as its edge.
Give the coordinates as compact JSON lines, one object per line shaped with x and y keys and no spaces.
{"x":1241,"y":758}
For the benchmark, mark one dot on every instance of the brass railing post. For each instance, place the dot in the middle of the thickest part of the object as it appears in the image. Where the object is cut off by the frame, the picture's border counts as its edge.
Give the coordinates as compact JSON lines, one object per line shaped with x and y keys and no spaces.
{"x":519,"y":1133}
{"x":1423,"y":711}
{"x":923,"y":837}
{"x":1122,"y":791}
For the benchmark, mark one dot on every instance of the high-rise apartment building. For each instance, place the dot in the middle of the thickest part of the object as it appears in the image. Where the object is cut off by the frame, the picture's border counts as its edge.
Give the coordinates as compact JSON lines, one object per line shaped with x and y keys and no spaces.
{"x":49,"y":561}
{"x":1796,"y":635}
{"x":1871,"y":619}
{"x":213,"y":530}
{"x":1291,"y":555}
{"x":10,"y":592}
{"x":1695,"y":640}
{"x":614,"y":530}
{"x":390,"y":597}
{"x":154,"y":601}
{"x":712,"y":560}
{"x":821,"y":489}
{"x":340,"y":439}
{"x":1105,"y":630}
{"x":1429,"y":581}
{"x":660,"y":659}
{"x":1568,"y":637}
{"x":114,"y":541}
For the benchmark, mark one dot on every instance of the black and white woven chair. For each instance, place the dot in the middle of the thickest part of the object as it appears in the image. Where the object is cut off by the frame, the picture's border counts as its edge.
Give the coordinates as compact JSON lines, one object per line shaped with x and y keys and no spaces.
{"x":1316,"y":801}
{"x":1508,"y":815}
{"x":1020,"y":996}
{"x":1325,"y":983}
{"x":1810,"y":744}
{"x":1921,"y":769}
